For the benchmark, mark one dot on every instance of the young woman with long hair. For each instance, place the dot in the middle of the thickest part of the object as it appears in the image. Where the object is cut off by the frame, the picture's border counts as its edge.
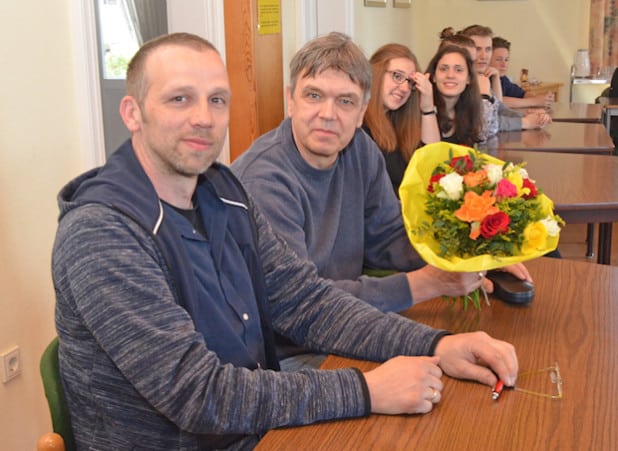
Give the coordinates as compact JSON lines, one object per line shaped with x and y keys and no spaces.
{"x":401,"y":115}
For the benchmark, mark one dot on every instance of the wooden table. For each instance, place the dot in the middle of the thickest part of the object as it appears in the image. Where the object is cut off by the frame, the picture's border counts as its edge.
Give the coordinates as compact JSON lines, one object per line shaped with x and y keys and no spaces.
{"x":584,"y":188}
{"x":564,"y":137}
{"x":576,"y":112}
{"x":572,"y":320}
{"x":610,"y":109}
{"x":543,"y":87}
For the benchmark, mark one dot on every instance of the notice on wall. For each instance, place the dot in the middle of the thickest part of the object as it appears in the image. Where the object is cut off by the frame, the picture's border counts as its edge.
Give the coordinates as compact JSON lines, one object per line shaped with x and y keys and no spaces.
{"x":269,"y":17}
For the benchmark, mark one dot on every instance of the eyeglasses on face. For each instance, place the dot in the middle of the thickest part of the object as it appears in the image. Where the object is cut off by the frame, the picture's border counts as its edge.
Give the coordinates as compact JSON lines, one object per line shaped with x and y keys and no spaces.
{"x":400,"y":78}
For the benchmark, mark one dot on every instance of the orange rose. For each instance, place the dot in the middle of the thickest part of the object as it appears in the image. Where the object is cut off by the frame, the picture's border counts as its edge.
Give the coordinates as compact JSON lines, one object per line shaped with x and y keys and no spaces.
{"x":476,"y":207}
{"x":473,"y":179}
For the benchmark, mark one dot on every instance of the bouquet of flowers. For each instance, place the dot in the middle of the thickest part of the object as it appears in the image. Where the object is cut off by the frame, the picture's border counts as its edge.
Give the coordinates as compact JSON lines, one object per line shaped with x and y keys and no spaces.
{"x":467,"y":211}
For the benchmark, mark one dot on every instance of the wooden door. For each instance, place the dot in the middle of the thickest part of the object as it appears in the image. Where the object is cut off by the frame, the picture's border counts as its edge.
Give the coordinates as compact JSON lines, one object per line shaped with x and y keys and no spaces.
{"x":255,"y":67}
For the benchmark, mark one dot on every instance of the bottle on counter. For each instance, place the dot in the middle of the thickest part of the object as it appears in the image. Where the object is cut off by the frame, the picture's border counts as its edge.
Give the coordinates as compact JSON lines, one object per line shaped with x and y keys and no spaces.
{"x":523,"y":78}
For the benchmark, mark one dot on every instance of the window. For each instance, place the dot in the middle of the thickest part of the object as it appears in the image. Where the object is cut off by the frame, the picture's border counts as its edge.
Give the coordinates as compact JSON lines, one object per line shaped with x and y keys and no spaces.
{"x":119,"y":39}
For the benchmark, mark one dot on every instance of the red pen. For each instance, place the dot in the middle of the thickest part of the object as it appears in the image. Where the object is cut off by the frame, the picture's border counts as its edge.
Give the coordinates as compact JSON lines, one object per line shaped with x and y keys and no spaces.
{"x":495,"y":394}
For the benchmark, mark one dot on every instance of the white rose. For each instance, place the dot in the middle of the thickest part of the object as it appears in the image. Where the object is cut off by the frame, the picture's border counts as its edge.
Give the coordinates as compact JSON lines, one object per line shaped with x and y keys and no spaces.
{"x":524,"y":174}
{"x":494,"y":173}
{"x":553,"y":229}
{"x":452,"y":184}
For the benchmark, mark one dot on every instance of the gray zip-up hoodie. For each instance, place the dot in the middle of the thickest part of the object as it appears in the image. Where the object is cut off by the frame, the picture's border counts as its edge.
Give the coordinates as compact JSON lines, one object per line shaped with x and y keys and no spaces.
{"x":136,"y":371}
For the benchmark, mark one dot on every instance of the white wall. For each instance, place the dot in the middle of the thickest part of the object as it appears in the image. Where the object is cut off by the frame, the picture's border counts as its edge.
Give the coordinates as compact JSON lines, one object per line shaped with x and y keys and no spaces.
{"x":544,"y":34}
{"x":370,"y":27}
{"x":376,"y":26}
{"x":39,"y":151}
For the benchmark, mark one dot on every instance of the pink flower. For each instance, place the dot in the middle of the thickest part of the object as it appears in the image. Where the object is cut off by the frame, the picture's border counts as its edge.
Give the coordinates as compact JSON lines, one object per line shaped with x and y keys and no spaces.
{"x":505,"y":189}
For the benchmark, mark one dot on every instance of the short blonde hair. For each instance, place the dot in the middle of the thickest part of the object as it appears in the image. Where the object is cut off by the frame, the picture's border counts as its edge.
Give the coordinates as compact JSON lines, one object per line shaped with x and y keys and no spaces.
{"x":137,"y":80}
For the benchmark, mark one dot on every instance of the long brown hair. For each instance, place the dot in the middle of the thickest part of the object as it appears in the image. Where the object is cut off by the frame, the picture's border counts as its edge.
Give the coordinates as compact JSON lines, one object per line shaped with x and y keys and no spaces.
{"x":448,"y":36}
{"x":401,"y":128}
{"x":468,"y":121}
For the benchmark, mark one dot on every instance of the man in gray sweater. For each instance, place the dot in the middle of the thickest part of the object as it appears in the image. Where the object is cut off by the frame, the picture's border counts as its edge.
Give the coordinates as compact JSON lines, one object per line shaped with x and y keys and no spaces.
{"x":322,"y":184}
{"x":170,"y":286}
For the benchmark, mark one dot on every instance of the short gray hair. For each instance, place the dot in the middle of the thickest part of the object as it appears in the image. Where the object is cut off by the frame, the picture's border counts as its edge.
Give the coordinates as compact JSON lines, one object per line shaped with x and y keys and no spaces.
{"x":332,"y":51}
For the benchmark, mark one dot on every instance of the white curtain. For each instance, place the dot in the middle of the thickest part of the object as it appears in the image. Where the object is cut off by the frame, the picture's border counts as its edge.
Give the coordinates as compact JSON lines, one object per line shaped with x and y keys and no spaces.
{"x":148,"y":18}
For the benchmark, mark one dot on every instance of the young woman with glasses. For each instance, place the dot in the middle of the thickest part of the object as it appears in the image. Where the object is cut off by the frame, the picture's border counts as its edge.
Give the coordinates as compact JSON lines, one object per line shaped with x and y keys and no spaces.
{"x":401,"y":115}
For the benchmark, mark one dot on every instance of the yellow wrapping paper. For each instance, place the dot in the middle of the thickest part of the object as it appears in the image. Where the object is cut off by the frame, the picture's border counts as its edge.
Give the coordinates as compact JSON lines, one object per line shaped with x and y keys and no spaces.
{"x":413,"y":194}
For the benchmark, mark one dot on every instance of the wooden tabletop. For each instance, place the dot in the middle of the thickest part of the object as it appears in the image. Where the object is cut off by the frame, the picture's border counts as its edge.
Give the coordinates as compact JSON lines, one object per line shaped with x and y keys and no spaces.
{"x":566,"y":137}
{"x":584,"y":188}
{"x":539,"y":88}
{"x":571,"y":112}
{"x":576,"y":112}
{"x":572,"y":321}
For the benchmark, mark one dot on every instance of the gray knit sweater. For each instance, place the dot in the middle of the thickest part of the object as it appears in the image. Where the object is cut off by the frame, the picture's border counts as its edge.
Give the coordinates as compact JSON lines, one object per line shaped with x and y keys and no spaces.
{"x":344,"y":218}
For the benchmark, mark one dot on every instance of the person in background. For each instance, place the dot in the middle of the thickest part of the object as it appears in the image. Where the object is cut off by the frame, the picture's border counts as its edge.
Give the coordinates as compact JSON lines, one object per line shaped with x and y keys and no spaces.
{"x":489,"y":110}
{"x":514,"y":96}
{"x":450,"y":39}
{"x":401,"y":115}
{"x":482,"y":39}
{"x":321,"y":182}
{"x":508,"y":119}
{"x":170,"y":285}
{"x":456,"y":95}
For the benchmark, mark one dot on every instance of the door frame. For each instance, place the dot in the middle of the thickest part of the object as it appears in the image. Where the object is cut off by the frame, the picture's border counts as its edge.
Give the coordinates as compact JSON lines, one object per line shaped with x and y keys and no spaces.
{"x":87,"y":85}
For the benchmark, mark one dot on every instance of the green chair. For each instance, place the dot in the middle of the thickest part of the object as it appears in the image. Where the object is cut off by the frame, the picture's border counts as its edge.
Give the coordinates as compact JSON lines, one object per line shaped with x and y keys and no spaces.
{"x":50,"y":374}
{"x":378,"y":272}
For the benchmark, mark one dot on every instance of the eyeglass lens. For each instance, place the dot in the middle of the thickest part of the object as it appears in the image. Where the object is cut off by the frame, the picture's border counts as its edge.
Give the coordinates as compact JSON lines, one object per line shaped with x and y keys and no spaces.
{"x":547,"y":383}
{"x":399,"y":78}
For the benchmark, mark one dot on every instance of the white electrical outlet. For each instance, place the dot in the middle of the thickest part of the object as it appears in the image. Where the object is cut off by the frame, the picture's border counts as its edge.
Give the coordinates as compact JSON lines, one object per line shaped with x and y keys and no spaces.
{"x":11,"y":364}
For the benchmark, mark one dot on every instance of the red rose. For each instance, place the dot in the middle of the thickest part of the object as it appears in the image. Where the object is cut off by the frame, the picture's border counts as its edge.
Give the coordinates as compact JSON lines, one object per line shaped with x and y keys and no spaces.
{"x":533,"y":191}
{"x":462,"y":164}
{"x":495,"y":224}
{"x":434,"y":179}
